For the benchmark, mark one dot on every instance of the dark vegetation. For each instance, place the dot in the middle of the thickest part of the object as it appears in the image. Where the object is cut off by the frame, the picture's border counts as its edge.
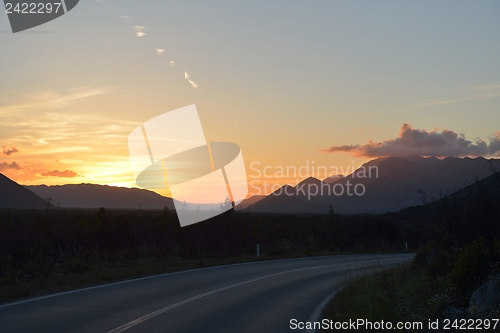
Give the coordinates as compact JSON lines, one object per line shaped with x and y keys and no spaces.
{"x":464,"y":247}
{"x":461,"y":253}
{"x":36,"y":245}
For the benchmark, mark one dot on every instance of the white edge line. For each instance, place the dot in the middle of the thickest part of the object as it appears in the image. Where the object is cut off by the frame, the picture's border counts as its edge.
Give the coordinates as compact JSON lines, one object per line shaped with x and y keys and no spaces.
{"x":194,"y":298}
{"x":318,"y":312}
{"x":142,"y":278}
{"x":158,"y":276}
{"x":314,"y":317}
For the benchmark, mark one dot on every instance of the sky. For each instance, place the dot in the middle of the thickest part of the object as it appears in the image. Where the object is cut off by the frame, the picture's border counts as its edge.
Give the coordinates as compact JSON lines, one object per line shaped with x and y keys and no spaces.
{"x":293,"y":83}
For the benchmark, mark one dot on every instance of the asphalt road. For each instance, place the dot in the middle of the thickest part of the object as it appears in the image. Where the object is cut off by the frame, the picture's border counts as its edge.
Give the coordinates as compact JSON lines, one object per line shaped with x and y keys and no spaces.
{"x":251,"y":297}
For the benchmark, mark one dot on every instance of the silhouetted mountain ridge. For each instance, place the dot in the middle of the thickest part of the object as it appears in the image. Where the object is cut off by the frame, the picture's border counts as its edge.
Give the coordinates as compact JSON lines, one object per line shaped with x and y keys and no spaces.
{"x":96,"y":196}
{"x":249,"y":201}
{"x":13,"y":195}
{"x":390,"y":183}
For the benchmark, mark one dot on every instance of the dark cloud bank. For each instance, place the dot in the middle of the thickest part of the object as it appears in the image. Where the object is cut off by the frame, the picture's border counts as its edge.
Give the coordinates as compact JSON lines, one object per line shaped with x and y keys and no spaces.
{"x":412,"y":142}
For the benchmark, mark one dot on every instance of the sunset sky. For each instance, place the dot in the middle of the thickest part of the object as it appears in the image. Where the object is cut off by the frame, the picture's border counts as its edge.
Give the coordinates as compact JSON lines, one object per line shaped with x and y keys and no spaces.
{"x":334,"y":83}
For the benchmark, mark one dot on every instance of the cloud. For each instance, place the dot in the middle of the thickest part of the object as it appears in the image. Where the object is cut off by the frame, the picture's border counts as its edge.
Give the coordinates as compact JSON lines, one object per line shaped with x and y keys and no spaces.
{"x":51,"y":100}
{"x":427,"y":103}
{"x":412,"y":141}
{"x":187,"y":77}
{"x":495,"y":144}
{"x":10,"y":166}
{"x":61,"y":174}
{"x":10,"y":151}
{"x":64,"y":133}
{"x":172,"y":63}
{"x":139,"y":30}
{"x":485,"y":91}
{"x":491,"y":86}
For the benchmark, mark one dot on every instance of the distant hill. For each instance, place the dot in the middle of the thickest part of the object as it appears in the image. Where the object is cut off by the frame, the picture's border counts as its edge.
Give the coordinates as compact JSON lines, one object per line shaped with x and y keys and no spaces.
{"x":332,"y":179}
{"x":281,"y":202}
{"x":96,"y":196}
{"x":249,"y":201}
{"x":395,"y":183}
{"x":426,"y":212}
{"x":13,"y":195}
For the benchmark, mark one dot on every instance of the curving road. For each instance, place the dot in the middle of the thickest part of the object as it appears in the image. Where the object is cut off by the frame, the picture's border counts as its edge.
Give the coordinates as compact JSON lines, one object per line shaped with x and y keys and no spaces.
{"x":251,"y":297}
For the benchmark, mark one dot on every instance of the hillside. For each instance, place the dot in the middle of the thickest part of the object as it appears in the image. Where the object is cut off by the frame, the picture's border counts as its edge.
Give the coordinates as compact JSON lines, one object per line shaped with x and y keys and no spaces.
{"x":249,"y":201}
{"x":96,"y":196}
{"x":393,"y":184}
{"x":13,"y":195}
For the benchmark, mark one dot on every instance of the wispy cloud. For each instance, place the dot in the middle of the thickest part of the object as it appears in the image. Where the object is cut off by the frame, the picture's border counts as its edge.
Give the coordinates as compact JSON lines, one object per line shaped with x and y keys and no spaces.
{"x":51,"y":100}
{"x":53,"y":137}
{"x":490,"y":86}
{"x":9,"y":151}
{"x":139,"y":30}
{"x":65,"y":132}
{"x":427,"y":103}
{"x":61,"y":174}
{"x":412,"y":141}
{"x":188,"y":77}
{"x":486,"y":91}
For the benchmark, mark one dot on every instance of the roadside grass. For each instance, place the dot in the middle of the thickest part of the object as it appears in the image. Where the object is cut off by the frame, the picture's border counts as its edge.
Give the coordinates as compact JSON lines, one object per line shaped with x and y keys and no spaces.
{"x":399,"y":294}
{"x":102,"y":273}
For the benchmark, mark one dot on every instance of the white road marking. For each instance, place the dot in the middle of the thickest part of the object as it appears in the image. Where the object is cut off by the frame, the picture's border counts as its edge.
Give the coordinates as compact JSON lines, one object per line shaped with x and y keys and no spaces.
{"x":318,"y":312}
{"x":149,"y":277}
{"x":194,"y":298}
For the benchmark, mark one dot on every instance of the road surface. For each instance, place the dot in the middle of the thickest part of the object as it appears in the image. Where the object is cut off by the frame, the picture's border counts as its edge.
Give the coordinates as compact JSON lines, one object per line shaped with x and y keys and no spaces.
{"x":251,"y":297}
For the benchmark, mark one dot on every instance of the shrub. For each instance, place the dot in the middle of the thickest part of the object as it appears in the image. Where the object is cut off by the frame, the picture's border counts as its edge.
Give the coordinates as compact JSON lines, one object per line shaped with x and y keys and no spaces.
{"x":472,"y":266}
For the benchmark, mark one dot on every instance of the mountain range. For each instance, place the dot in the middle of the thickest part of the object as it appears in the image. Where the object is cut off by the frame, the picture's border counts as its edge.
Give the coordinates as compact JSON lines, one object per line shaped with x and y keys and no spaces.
{"x":393,"y":183}
{"x":378,"y":186}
